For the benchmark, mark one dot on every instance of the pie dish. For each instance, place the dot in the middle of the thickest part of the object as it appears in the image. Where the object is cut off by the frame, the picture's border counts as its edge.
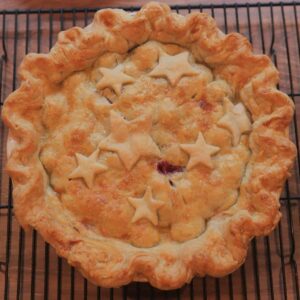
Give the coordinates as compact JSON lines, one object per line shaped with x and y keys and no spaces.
{"x":149,"y":147}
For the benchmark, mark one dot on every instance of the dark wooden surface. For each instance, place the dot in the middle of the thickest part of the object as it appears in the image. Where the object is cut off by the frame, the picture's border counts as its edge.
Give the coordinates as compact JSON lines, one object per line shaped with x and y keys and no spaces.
{"x":27,"y":4}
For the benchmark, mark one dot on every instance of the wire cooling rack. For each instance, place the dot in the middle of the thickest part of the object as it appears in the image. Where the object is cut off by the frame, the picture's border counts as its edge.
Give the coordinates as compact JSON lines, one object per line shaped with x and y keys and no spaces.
{"x":30,"y":269}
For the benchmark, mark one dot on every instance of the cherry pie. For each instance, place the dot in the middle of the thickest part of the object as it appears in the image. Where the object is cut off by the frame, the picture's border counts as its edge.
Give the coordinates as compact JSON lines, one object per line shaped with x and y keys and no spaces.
{"x":149,"y":147}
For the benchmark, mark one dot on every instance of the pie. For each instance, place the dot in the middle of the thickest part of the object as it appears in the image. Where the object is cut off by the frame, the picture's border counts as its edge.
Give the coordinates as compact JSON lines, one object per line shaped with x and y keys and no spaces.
{"x":149,"y":147}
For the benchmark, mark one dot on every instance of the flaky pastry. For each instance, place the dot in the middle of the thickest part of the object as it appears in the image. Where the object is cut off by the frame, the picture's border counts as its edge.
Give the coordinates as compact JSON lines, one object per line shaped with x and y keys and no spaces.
{"x":149,"y":147}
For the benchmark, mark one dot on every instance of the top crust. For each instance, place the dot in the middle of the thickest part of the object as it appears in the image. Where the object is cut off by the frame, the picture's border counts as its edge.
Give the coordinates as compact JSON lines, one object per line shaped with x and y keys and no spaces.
{"x":222,"y":247}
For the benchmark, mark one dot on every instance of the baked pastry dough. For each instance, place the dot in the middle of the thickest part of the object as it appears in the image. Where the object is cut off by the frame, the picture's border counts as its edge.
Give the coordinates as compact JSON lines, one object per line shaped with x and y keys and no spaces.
{"x":149,"y":147}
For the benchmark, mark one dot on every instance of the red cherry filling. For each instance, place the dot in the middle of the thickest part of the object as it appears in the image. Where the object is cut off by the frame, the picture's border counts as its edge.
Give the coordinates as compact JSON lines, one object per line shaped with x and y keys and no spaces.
{"x":165,"y":167}
{"x":205,"y":105}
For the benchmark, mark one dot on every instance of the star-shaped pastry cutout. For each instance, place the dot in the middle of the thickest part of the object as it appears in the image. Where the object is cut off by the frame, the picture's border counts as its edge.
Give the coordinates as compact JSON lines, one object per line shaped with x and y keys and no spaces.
{"x":173,"y":67}
{"x":200,"y":152}
{"x":146,"y":207}
{"x":87,"y":168}
{"x":235,"y":120}
{"x":114,"y":78}
{"x":130,"y":139}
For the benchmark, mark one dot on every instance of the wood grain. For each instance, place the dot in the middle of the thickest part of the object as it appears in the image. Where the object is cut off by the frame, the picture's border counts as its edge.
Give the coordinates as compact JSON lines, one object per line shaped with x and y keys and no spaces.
{"x":255,"y":275}
{"x":38,"y":4}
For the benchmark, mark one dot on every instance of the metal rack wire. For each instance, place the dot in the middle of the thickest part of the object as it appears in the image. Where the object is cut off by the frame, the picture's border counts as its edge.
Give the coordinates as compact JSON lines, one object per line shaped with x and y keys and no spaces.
{"x":29,"y":268}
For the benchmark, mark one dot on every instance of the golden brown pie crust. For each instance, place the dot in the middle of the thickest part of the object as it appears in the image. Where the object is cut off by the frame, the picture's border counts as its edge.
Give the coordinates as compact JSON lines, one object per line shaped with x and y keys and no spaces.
{"x":114,"y":236}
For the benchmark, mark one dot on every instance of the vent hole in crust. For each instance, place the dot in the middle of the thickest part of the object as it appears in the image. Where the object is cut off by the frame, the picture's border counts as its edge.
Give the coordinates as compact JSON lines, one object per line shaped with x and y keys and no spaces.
{"x":172,"y":184}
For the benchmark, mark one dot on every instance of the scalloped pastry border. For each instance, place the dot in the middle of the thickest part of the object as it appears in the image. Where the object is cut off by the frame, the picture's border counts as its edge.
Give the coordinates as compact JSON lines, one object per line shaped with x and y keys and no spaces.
{"x":223,"y":247}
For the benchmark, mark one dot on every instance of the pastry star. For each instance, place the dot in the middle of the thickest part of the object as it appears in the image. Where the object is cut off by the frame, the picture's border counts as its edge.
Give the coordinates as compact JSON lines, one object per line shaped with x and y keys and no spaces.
{"x":199,"y":152}
{"x":235,"y":120}
{"x":173,"y":67}
{"x":146,"y":207}
{"x":130,"y":139}
{"x":114,"y":78}
{"x":87,"y":167}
